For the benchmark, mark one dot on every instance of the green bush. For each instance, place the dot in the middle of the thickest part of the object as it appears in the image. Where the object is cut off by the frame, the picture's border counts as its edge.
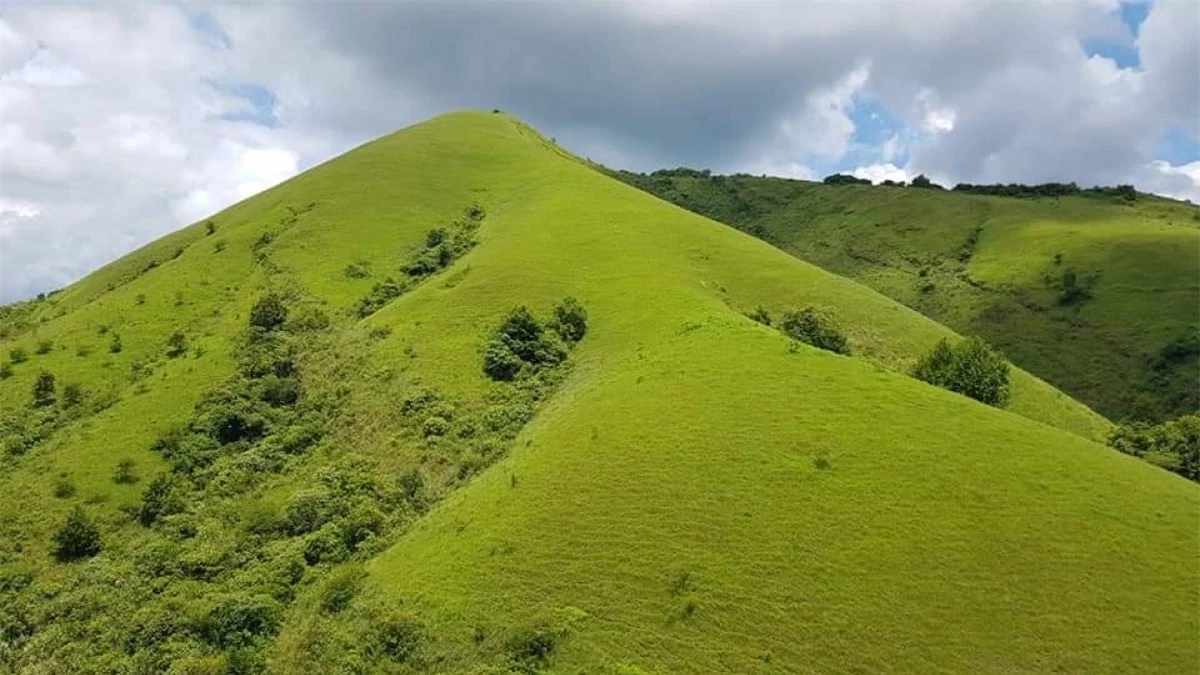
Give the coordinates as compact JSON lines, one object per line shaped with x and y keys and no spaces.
{"x":810,"y":327}
{"x":160,"y":499}
{"x":17,"y":355}
{"x":570,"y":320}
{"x":6,"y":370}
{"x":114,"y":345}
{"x":177,"y":344}
{"x":279,"y":391}
{"x":45,"y":347}
{"x":269,"y":313}
{"x":124,"y":474}
{"x":1173,"y":445}
{"x":971,"y":368}
{"x":761,"y":315}
{"x":72,"y":394}
{"x":77,"y":538}
{"x":44,"y":389}
{"x":522,"y":341}
{"x":399,"y":637}
{"x":236,"y":621}
{"x":340,"y":589}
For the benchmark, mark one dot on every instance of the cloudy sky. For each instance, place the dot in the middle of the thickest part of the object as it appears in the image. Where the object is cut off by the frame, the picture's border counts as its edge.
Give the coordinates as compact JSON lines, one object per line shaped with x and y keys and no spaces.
{"x":120,"y":122}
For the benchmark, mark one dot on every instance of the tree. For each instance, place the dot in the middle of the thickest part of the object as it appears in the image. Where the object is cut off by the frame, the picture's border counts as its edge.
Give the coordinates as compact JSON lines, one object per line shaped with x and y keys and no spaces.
{"x":77,"y":538}
{"x":176,"y":344}
{"x":268,"y":313}
{"x":811,"y":328}
{"x":43,"y":389}
{"x":971,"y":368}
{"x":570,"y":320}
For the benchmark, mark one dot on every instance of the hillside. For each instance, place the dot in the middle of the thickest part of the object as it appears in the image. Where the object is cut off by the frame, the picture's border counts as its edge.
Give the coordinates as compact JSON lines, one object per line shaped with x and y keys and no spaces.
{"x":1098,"y":296}
{"x":287,"y":455}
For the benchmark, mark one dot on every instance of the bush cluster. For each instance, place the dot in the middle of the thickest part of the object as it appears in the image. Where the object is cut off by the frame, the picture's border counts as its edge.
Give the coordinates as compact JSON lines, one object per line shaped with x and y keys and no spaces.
{"x":971,"y":368}
{"x":522,"y":343}
{"x":443,"y":245}
{"x":77,"y":538}
{"x":1173,"y":445}
{"x":811,"y":327}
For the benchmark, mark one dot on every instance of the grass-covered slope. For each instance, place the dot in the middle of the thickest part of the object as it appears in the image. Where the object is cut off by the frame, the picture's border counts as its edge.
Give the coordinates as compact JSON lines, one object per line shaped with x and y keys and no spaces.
{"x":1124,"y":342}
{"x":694,"y":494}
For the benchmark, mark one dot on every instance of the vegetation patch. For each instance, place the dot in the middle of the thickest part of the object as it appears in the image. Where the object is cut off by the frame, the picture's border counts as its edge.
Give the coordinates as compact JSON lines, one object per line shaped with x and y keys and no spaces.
{"x":971,"y":368}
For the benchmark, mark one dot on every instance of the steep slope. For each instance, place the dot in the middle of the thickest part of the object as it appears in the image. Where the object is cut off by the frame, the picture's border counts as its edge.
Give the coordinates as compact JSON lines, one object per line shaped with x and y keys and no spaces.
{"x":1123,"y":341}
{"x":695,"y":493}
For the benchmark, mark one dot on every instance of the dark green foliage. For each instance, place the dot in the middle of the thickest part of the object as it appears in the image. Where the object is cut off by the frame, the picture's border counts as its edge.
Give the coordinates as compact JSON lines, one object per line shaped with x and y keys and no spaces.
{"x":160,"y":499}
{"x":269,"y":313}
{"x":1173,"y":445}
{"x":77,"y":538}
{"x":124,"y":474}
{"x":236,"y":621}
{"x":532,"y":650}
{"x":810,"y":327}
{"x":341,"y":589}
{"x":443,"y":245}
{"x":140,"y":299}
{"x":177,"y":344}
{"x":971,"y":368}
{"x":570,"y":320}
{"x":280,"y":391}
{"x":399,"y":637}
{"x":356,"y":270}
{"x":6,"y":370}
{"x":17,"y":355}
{"x":923,"y":182}
{"x":44,"y":347}
{"x":522,"y":342}
{"x":114,"y":345}
{"x":1072,"y":291}
{"x":44,"y":389}
{"x":64,"y":488}
{"x":761,"y":315}
{"x":72,"y":395}
{"x":210,"y":228}
{"x":1122,"y":192}
{"x":844,"y":179}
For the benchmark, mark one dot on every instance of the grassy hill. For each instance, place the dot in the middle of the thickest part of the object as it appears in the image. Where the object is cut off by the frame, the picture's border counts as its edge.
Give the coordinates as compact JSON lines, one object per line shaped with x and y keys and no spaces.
{"x":1120,"y":338}
{"x":343,"y":489}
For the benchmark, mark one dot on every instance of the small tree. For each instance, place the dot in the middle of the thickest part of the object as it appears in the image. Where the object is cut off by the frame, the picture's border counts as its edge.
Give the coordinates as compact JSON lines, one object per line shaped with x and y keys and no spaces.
{"x":124,"y":474}
{"x":971,"y":368}
{"x":809,"y":327}
{"x":43,"y":389}
{"x":176,"y":344}
{"x":72,"y":394}
{"x":570,"y":320}
{"x":268,"y":313}
{"x":77,"y":538}
{"x":114,"y":345}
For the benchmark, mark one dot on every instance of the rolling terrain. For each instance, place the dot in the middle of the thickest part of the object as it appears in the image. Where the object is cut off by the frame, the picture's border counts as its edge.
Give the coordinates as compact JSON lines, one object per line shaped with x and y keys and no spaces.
{"x":1099,"y":296}
{"x":279,"y":425}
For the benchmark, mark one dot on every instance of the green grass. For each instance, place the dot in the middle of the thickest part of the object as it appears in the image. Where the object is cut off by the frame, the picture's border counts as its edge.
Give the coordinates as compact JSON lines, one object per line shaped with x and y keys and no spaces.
{"x":698,"y":495}
{"x":1143,"y":258}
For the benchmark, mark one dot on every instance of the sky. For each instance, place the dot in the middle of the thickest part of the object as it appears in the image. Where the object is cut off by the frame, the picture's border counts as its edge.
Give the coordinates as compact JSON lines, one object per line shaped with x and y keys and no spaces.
{"x":120,"y":122}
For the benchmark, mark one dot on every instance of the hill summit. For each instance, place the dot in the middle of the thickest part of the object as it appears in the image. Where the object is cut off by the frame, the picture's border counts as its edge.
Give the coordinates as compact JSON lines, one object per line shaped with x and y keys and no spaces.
{"x":457,"y":402}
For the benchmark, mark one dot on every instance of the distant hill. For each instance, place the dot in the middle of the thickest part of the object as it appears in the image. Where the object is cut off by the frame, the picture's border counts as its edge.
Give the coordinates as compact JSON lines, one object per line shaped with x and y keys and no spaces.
{"x":313,"y":433}
{"x":1098,"y":291}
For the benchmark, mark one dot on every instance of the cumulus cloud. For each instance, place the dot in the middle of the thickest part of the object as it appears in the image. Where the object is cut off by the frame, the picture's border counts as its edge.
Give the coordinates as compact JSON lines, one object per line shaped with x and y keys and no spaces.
{"x":120,"y":122}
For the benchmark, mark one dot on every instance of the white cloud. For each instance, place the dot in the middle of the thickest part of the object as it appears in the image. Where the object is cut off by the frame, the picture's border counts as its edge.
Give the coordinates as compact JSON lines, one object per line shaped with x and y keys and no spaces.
{"x":877,"y":173}
{"x":112,"y":133}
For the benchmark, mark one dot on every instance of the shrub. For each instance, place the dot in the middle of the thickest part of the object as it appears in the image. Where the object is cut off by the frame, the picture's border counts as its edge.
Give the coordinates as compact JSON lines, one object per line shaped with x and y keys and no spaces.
{"x":77,"y":538}
{"x":356,"y":270}
{"x":114,"y":345}
{"x":533,"y":650}
{"x":64,"y":488}
{"x":435,"y":237}
{"x":209,"y":228}
{"x":177,"y":344}
{"x":140,"y":299}
{"x":435,"y":426}
{"x":124,"y":474}
{"x":235,"y":621}
{"x":761,"y":315}
{"x":6,"y":370}
{"x":1173,"y":445}
{"x":45,"y":347}
{"x":399,"y":637}
{"x":500,"y":363}
{"x":922,"y":181}
{"x":160,"y":499}
{"x":268,"y":313}
{"x":43,"y":389}
{"x":570,"y":320}
{"x":72,"y":395}
{"x":1072,"y":291}
{"x":971,"y":368}
{"x":811,"y":328}
{"x":17,"y":355}
{"x":340,"y":590}
{"x":280,"y":391}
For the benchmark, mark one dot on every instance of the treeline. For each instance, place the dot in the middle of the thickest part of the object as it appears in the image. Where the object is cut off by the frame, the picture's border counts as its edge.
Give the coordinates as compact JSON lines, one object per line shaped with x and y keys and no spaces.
{"x":1018,"y":190}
